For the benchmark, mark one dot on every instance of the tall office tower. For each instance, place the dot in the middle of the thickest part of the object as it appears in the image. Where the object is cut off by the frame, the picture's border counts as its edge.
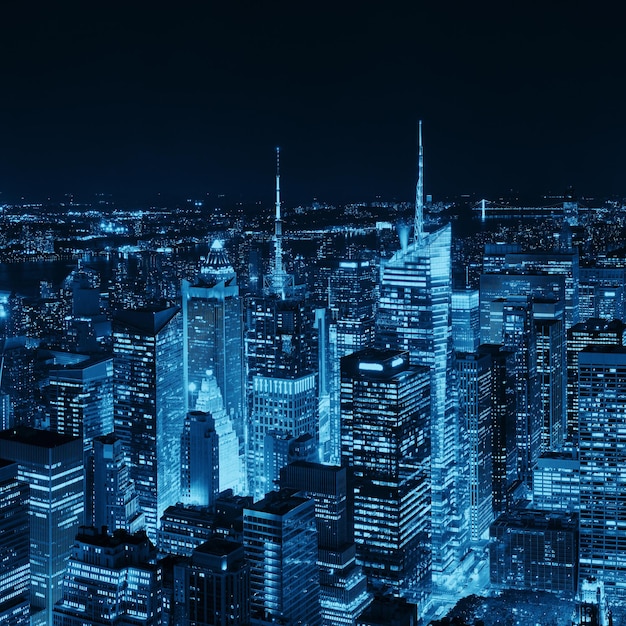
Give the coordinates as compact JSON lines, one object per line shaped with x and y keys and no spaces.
{"x":111,"y":579}
{"x":549,"y":321}
{"x":183,"y":528}
{"x":465,"y":320}
{"x":115,"y":501}
{"x":592,"y":332}
{"x":280,"y":543}
{"x":414,"y":314}
{"x":282,"y":449}
{"x":512,"y":324}
{"x":81,"y":405}
{"x":503,"y":258}
{"x":343,"y":585}
{"x":52,"y":466}
{"x":200,"y":475}
{"x":352,"y":301}
{"x":495,"y":287}
{"x":213,"y":335}
{"x":602,"y":292}
{"x":503,"y":426}
{"x":385,"y":408}
{"x":209,"y":400}
{"x":14,"y":547}
{"x":602,"y":445}
{"x":474,"y":373}
{"x":149,"y":403}
{"x":212,"y":588}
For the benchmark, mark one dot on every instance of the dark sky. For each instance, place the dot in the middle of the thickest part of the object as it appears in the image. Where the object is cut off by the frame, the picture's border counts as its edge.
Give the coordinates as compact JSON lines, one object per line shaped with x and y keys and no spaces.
{"x":191,"y":98}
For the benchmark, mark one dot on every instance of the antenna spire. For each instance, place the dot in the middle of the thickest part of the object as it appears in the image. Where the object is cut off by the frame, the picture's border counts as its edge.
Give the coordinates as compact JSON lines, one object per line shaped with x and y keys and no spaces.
{"x":419,"y":190}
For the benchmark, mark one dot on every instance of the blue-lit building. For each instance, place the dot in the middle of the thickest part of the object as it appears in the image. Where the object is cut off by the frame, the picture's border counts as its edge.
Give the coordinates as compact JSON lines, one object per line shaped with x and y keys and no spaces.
{"x":115,"y":501}
{"x":200,"y":475}
{"x":212,"y":587}
{"x":343,"y":585}
{"x":110,"y":579}
{"x":280,"y":543}
{"x":15,"y":548}
{"x":414,"y":314}
{"x":385,"y":410}
{"x":602,"y":437}
{"x":149,"y":403}
{"x":213,"y":336}
{"x":474,"y":375}
{"x":52,"y":466}
{"x":465,"y":320}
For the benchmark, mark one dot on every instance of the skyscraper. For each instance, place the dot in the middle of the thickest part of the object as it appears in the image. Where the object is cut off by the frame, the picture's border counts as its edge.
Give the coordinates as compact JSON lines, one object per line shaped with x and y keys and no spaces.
{"x":15,"y":548}
{"x":385,"y":409}
{"x":474,"y":372}
{"x":115,"y":501}
{"x":602,"y":414}
{"x":149,"y":403}
{"x":280,"y":542}
{"x":213,"y":335}
{"x":52,"y":466}
{"x":414,"y":314}
{"x":343,"y":586}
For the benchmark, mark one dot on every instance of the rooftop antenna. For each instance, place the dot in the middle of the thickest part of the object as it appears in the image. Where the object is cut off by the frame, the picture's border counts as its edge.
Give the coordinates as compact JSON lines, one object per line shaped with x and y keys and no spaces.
{"x":418,"y":230}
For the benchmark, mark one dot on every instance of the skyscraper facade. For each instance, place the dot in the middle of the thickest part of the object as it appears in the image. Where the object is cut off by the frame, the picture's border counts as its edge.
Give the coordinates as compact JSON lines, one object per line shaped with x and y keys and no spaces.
{"x":602,"y":414}
{"x":15,"y":546}
{"x":52,"y":466}
{"x":385,"y":408}
{"x":280,"y":543}
{"x":149,"y":403}
{"x":414,"y":315}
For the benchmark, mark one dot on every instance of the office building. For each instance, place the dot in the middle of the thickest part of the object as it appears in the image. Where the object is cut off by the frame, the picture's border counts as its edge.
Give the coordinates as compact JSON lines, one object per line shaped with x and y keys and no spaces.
{"x":15,"y":548}
{"x":602,"y":446}
{"x":474,"y":374}
{"x":465,"y":320}
{"x":110,"y":579}
{"x":81,"y":405}
{"x":556,"y":482}
{"x":115,"y":501}
{"x":592,"y":332}
{"x":280,"y":543}
{"x":531,"y":549}
{"x":343,"y":586}
{"x":149,"y":403}
{"x":213,"y":335}
{"x":385,"y":410}
{"x":212,"y":588}
{"x":200,"y":476}
{"x":52,"y":466}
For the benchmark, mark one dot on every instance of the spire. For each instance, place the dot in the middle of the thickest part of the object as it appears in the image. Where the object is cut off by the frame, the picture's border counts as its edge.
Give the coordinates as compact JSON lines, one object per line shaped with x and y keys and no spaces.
{"x":278,"y":280}
{"x":419,"y":191}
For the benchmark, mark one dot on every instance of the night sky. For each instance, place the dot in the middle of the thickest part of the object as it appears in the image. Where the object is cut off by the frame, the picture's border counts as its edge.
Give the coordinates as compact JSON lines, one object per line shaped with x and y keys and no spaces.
{"x":192,"y":98}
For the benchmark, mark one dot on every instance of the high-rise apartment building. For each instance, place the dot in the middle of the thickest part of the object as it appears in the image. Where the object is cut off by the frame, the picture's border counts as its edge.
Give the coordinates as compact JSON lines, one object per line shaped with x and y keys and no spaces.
{"x":52,"y":466}
{"x":385,"y":410}
{"x":149,"y":403}
{"x":280,"y":543}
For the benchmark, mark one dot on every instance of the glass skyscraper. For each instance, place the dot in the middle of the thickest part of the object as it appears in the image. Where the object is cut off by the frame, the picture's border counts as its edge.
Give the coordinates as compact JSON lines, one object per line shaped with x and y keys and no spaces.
{"x":149,"y":403}
{"x":414,"y":314}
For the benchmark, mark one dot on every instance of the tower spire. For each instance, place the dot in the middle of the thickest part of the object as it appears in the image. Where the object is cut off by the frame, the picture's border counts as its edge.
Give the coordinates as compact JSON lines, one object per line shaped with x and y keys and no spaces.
{"x":278,"y":273}
{"x":418,"y":231}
